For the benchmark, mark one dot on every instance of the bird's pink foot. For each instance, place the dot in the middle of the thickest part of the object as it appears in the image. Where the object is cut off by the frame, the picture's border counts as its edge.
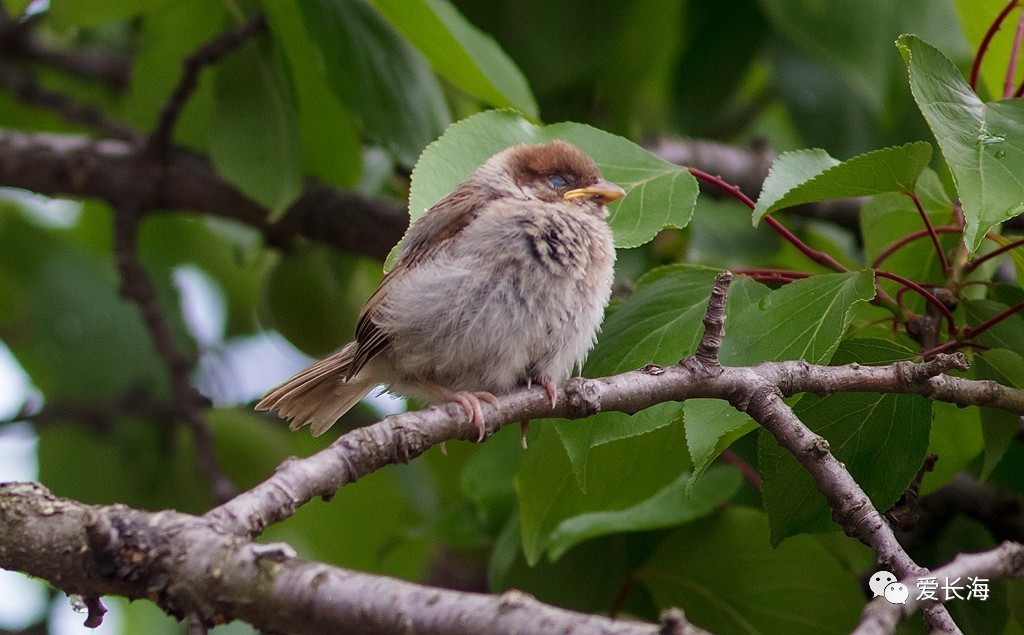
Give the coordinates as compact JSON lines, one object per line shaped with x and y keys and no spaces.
{"x":470,"y":402}
{"x":549,"y":387}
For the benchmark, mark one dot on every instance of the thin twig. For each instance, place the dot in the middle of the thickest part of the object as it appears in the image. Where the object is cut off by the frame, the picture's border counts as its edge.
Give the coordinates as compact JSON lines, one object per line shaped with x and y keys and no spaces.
{"x":1011,"y":65}
{"x":974,"y":264}
{"x":817,"y":256}
{"x":136,"y":286}
{"x":931,"y":231}
{"x":23,"y":85}
{"x":985,"y":41}
{"x":927,"y":295}
{"x":209,"y":53}
{"x":900,"y":242}
{"x":974,"y":331}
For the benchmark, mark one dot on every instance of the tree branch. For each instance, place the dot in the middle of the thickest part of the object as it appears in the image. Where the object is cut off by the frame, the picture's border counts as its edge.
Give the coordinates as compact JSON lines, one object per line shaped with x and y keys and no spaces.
{"x":23,"y":85}
{"x":209,"y":53}
{"x":223,"y":533}
{"x":114,"y":171}
{"x":137,"y":287}
{"x":192,"y":571}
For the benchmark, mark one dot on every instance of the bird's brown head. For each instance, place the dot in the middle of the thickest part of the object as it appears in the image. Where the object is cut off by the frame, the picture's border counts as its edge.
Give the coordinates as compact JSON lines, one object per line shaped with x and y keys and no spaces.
{"x":558,"y":171}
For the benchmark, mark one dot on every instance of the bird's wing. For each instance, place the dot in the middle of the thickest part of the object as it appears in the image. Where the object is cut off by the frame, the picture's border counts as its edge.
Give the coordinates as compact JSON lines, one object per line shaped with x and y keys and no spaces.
{"x":425,"y":238}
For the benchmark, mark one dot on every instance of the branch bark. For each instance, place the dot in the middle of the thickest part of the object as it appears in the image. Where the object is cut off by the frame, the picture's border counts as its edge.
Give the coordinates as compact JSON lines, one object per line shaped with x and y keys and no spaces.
{"x":195,"y":572}
{"x":119,"y":172}
{"x":209,"y":568}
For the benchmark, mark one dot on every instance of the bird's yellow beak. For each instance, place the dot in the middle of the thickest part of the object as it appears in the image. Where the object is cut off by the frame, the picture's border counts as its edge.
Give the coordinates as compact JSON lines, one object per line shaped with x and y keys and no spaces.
{"x":602,"y":191}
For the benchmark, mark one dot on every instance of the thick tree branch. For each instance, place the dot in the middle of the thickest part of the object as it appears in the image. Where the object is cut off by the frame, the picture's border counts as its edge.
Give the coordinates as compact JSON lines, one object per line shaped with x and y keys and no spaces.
{"x":192,"y":571}
{"x":114,"y":171}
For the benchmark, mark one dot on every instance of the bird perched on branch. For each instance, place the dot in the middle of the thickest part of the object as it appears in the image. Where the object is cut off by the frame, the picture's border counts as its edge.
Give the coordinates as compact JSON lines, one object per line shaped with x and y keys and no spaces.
{"x":501,"y":284}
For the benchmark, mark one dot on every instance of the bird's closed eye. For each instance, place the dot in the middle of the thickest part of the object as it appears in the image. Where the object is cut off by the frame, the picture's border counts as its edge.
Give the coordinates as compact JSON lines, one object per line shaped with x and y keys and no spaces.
{"x":558,"y":181}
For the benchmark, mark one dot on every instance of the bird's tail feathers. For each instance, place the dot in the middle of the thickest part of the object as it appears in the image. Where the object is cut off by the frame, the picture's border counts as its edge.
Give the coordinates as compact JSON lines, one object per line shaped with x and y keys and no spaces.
{"x":319,"y":394}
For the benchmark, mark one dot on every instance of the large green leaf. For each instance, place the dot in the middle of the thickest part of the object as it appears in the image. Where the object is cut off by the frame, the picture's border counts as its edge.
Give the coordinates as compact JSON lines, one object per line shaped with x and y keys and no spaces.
{"x":806,"y":176}
{"x":465,"y":55}
{"x":623,"y":474}
{"x":723,"y":573}
{"x":331,"y":148}
{"x":802,"y":320}
{"x":881,"y":438}
{"x":384,"y":82}
{"x":956,"y":439}
{"x":983,"y":143}
{"x":254,"y":142}
{"x":674,"y":504}
{"x":658,"y":194}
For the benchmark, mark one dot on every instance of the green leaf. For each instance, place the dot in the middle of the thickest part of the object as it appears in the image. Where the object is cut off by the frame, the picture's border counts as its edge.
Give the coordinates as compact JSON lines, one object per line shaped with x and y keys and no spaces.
{"x":850,"y":36}
{"x":383,"y":81}
{"x":465,"y":55}
{"x":811,"y":175}
{"x":998,"y":427}
{"x":331,"y":148}
{"x":254,"y":142}
{"x":881,"y":438}
{"x":675,"y":504}
{"x":658,"y":194}
{"x":623,"y":474}
{"x":730,"y":580}
{"x":983,"y":143}
{"x":659,"y":323}
{"x":956,"y":439}
{"x":76,"y":14}
{"x":802,"y":320}
{"x":488,"y":476}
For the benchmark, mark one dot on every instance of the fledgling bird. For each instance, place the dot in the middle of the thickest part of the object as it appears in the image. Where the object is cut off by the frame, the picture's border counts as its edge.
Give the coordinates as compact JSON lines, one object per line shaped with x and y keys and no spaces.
{"x":501,"y":284}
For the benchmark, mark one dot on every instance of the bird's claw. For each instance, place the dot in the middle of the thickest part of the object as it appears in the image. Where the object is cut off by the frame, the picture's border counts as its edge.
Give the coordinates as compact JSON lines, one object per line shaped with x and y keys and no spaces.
{"x":470,"y":402}
{"x":549,"y":387}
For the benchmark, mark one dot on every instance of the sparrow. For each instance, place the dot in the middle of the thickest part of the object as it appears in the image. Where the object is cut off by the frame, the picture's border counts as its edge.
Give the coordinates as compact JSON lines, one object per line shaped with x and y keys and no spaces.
{"x":501,"y":284}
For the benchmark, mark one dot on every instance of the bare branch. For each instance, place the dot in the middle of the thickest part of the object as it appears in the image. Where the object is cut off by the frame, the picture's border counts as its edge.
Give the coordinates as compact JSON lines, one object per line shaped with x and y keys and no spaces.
{"x":113,"y":171}
{"x":23,"y":85}
{"x":401,"y":438}
{"x":192,"y":571}
{"x":136,"y":286}
{"x":209,"y":53}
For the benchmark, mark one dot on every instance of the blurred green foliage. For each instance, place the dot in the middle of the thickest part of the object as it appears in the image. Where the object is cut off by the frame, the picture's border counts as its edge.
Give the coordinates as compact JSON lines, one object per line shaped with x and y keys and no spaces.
{"x":629,"y":513}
